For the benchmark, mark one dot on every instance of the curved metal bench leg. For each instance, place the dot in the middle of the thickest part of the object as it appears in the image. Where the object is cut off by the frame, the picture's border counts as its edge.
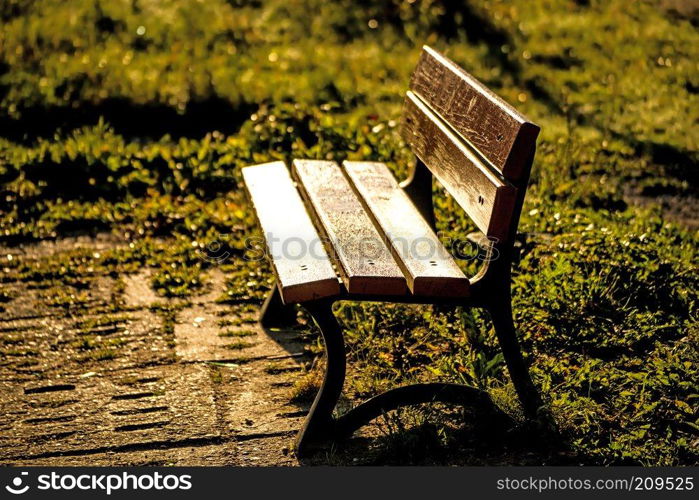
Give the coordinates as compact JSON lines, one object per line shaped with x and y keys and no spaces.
{"x":457,"y":394}
{"x":319,"y":426}
{"x":274,"y":313}
{"x":501,"y":315}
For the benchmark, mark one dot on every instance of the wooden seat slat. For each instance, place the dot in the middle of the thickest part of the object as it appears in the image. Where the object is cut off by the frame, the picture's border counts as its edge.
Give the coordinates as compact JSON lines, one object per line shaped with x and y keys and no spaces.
{"x":365,"y":262}
{"x":301,"y":264}
{"x":428,"y":267}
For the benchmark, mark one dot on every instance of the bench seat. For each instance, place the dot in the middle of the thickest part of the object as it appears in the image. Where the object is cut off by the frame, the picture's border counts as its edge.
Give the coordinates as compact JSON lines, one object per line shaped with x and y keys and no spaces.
{"x":356,"y":223}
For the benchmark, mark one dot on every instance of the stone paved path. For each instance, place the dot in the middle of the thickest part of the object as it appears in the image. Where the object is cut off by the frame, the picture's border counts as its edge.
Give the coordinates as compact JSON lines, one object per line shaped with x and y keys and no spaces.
{"x":209,"y":388}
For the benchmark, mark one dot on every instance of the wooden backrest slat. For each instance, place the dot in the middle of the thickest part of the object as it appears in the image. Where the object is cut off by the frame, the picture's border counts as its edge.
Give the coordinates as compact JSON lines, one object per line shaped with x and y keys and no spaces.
{"x":488,"y":199}
{"x":502,"y":136}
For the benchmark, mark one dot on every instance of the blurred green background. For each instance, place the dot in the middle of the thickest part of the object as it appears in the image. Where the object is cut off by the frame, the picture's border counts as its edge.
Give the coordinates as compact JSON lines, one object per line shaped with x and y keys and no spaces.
{"x":134,"y":117}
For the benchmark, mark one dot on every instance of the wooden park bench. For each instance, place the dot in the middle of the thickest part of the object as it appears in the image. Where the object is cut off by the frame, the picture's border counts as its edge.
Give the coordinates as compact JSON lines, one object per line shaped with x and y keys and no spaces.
{"x":481,"y":150}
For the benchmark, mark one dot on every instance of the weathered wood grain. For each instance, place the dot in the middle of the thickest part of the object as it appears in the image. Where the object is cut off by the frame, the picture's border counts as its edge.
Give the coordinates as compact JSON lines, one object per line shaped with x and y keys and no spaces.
{"x":488,"y":199}
{"x":301,"y":264}
{"x":366,"y":263}
{"x":502,"y":135}
{"x":427,"y":265}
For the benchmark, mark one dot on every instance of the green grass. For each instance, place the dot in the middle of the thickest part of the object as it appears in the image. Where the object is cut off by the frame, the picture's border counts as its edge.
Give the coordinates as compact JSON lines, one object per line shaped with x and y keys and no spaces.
{"x":134,"y":117}
{"x":237,"y":333}
{"x":239,"y":345}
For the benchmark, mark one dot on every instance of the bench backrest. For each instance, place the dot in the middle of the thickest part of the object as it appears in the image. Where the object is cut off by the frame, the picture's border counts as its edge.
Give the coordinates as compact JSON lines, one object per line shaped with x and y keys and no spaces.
{"x":478,"y":146}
